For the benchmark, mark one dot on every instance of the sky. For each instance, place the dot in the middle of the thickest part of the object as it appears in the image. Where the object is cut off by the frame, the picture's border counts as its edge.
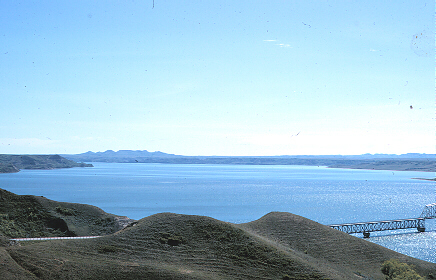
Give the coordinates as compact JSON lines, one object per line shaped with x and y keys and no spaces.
{"x":228,"y":78}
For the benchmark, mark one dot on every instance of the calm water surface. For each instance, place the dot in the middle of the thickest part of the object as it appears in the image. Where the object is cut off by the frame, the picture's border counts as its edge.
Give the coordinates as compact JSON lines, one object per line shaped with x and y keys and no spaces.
{"x":243,"y":193}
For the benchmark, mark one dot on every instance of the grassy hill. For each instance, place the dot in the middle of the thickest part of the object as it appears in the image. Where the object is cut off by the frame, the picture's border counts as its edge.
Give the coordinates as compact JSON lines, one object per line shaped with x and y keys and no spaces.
{"x":13,"y":163}
{"x":172,"y":246}
{"x":36,"y":216}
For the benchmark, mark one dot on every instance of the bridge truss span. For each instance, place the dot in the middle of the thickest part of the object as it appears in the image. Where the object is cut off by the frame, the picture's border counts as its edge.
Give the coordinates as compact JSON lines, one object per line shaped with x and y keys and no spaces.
{"x":429,"y":211}
{"x":367,"y":227}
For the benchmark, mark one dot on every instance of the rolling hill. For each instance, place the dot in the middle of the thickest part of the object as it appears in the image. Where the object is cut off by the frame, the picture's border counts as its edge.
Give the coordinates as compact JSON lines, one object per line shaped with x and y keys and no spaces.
{"x":172,"y":246}
{"x":37,"y":216}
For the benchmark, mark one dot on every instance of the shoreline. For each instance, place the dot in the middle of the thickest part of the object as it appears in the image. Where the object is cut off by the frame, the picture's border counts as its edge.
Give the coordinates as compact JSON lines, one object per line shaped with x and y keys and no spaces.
{"x":434,"y":179}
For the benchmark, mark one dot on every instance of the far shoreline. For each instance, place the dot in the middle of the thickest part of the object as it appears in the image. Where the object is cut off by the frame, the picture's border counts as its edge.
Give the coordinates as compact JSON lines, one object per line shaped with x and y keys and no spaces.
{"x":426,"y":179}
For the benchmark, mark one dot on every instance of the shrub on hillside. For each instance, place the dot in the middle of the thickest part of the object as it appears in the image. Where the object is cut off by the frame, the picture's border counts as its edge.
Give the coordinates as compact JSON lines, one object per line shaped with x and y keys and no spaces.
{"x":107,"y":249}
{"x":4,"y":241}
{"x":65,"y":211}
{"x":395,"y":270}
{"x":170,"y":239}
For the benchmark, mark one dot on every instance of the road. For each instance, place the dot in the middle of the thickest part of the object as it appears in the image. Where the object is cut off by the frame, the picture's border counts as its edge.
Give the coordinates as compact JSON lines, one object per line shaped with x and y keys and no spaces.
{"x":52,"y":238}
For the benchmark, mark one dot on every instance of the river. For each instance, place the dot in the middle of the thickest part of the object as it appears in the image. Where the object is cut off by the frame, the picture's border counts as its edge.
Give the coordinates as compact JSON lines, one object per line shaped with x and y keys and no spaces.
{"x":243,"y":193}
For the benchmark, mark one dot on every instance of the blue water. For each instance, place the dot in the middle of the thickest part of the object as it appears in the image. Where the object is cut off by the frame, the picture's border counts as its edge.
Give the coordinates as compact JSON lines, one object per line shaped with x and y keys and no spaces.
{"x":243,"y":193}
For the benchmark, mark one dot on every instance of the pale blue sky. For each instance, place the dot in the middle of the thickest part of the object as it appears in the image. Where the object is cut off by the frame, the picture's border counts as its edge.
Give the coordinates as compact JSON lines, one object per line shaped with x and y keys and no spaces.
{"x":217,"y":77}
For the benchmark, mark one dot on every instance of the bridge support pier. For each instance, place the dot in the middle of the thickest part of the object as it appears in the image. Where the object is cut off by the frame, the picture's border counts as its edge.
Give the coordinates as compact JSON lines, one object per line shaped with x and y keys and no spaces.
{"x":366,"y":234}
{"x":421,"y":225}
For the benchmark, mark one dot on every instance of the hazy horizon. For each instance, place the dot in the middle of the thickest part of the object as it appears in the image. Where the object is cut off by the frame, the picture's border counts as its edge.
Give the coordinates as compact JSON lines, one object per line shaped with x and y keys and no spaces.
{"x":214,"y":155}
{"x":222,"y":78}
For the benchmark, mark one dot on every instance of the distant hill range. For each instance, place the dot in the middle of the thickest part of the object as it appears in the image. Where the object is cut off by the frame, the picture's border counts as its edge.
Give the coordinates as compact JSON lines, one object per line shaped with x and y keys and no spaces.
{"x":404,"y":162}
{"x":14,"y":163}
{"x":119,"y":156}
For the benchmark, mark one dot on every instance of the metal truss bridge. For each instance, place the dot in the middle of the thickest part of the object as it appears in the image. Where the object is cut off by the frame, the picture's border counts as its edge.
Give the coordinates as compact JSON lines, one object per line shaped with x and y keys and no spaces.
{"x":429,"y":212}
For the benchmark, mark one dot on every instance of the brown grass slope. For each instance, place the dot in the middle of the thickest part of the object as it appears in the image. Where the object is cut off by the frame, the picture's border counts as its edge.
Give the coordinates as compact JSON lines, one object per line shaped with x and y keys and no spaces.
{"x":171,"y":246}
{"x":36,"y":216}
